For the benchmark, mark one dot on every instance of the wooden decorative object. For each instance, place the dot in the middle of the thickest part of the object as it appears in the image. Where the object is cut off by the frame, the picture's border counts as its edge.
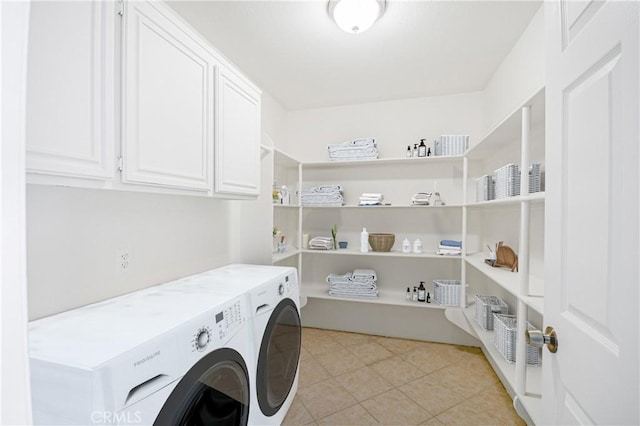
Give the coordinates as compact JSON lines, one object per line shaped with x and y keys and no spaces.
{"x":505,"y":258}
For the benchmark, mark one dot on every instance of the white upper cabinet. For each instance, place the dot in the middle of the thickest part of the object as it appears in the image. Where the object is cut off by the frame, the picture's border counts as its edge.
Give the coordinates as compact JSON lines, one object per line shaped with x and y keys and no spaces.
{"x":238,"y":144}
{"x":168,"y":101}
{"x":70,"y":88}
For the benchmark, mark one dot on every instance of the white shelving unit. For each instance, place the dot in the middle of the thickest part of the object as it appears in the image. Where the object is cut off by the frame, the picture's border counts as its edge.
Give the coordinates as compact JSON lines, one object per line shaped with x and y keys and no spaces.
{"x":519,"y":221}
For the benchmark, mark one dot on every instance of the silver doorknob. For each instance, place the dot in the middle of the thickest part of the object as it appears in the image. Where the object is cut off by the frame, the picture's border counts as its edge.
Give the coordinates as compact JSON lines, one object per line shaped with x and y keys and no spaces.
{"x":538,"y":339}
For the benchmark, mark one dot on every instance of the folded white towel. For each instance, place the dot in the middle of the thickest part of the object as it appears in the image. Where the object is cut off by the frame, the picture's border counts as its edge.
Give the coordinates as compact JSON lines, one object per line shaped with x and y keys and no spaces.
{"x":321,"y":243}
{"x":331,"y":278}
{"x":372,"y":195}
{"x":364,"y":274}
{"x":331,"y":188}
{"x":447,"y":252}
{"x":340,"y":293}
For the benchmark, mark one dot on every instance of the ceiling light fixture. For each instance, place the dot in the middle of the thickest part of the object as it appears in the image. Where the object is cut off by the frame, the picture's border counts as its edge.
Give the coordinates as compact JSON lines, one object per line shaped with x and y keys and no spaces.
{"x":356,"y":16}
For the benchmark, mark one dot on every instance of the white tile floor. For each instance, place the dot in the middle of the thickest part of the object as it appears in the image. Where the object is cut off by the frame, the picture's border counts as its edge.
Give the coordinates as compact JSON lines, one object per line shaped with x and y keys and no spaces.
{"x":358,"y":379}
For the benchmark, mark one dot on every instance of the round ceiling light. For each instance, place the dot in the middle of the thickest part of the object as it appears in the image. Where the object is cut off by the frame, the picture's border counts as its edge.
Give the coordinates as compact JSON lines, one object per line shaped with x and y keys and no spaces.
{"x":356,"y":16}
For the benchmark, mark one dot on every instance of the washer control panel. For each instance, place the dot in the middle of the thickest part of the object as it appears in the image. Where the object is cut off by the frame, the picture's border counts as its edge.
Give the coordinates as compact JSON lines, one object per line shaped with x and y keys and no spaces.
{"x":220,"y":326}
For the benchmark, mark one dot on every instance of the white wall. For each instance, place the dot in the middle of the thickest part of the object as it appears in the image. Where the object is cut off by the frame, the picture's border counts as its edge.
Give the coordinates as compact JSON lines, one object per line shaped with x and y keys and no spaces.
{"x":394,"y":124}
{"x":520,"y":75}
{"x":73,"y":236}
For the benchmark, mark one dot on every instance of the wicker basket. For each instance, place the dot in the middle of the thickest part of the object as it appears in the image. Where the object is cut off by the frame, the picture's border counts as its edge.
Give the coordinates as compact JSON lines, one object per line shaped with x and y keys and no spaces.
{"x":381,"y":242}
{"x":446,"y":292}
{"x":505,"y":338}
{"x":486,"y":306}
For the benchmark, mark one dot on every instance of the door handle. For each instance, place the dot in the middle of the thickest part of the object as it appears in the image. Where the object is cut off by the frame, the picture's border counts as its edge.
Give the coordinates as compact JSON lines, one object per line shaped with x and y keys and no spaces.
{"x":538,"y":339}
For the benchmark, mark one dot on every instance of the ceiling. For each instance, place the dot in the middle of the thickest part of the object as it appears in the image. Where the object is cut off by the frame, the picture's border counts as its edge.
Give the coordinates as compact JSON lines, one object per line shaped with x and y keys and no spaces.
{"x":296,"y":53}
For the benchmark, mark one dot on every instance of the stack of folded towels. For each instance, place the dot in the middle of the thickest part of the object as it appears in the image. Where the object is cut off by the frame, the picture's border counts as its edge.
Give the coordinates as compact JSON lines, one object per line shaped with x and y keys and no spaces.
{"x":359,"y":283}
{"x":369,"y":199}
{"x":358,"y":149}
{"x":323,"y":195}
{"x":321,"y":243}
{"x":449,"y":247}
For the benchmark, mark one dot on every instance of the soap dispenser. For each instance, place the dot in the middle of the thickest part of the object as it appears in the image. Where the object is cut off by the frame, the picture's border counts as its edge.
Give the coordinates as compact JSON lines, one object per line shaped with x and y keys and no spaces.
{"x":364,"y":241}
{"x":422,"y":149}
{"x":422,"y":292}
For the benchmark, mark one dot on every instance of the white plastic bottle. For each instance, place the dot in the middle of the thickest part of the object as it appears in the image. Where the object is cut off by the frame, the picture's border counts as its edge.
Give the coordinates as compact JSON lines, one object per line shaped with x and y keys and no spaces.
{"x":406,"y":246}
{"x":417,"y":246}
{"x":364,"y":241}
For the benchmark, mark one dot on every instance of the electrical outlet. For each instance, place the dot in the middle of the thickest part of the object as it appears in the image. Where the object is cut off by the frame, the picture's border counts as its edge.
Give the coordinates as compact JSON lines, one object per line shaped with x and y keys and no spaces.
{"x":123,"y":261}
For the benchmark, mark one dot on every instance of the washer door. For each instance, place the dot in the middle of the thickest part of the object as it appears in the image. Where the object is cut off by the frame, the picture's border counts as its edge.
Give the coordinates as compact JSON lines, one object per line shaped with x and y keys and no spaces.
{"x":278,"y":357}
{"x":215,"y":391}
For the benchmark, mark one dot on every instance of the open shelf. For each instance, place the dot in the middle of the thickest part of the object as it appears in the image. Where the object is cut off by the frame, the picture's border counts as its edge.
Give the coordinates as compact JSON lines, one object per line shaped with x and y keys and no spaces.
{"x":393,"y":253}
{"x":395,"y":206}
{"x":536,"y":197}
{"x":505,"y":370}
{"x":383,"y":161}
{"x":285,"y":206}
{"x":279,"y":257}
{"x":385,"y":297}
{"x":508,"y":280}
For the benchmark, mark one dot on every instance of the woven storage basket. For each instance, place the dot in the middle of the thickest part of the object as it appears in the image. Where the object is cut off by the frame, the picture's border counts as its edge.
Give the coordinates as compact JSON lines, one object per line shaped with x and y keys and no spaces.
{"x":505,"y":336}
{"x":446,"y":292}
{"x":486,"y":306}
{"x":381,"y":242}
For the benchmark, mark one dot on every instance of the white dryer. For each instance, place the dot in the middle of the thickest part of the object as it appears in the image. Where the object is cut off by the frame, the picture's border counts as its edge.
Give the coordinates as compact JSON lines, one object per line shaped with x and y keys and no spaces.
{"x":176,"y":353}
{"x":275,"y":306}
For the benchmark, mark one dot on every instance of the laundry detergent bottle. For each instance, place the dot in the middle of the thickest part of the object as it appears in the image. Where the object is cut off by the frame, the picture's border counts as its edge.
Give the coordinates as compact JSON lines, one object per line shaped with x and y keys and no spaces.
{"x":364,"y":241}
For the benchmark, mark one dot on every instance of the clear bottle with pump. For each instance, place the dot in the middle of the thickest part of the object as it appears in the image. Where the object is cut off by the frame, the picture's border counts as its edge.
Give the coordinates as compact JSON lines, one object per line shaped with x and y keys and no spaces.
{"x":409,"y":152}
{"x":422,"y":149}
{"x":408,"y":297}
{"x":415,"y":149}
{"x":422,"y":292}
{"x":364,"y":241}
{"x":414,"y":295}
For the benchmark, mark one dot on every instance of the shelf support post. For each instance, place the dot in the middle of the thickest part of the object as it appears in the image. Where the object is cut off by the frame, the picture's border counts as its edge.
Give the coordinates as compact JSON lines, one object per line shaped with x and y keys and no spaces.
{"x":523,"y":254}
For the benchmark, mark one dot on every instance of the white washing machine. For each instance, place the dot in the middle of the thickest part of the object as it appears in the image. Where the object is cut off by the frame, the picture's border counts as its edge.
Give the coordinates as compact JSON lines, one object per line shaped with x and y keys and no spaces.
{"x":177,"y":353}
{"x":275,"y":314}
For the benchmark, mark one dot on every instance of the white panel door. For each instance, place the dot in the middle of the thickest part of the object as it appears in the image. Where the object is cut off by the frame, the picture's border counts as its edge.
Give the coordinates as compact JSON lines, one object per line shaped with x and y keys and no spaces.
{"x":70,"y":89}
{"x":238,"y":143}
{"x":168,"y":90}
{"x":592,"y":218}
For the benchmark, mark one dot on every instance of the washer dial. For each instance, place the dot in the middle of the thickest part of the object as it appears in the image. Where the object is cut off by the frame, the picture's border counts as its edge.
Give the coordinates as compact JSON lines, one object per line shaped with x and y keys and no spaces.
{"x":202,"y":339}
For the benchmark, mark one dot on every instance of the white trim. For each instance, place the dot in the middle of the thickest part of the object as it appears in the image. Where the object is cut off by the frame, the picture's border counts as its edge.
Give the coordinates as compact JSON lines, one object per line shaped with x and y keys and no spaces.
{"x":15,"y":393}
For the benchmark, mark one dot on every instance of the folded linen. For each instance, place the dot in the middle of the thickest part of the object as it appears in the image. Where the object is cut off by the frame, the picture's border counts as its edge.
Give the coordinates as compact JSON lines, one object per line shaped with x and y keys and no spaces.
{"x":342,"y":293}
{"x":451,"y":243}
{"x":369,"y":203}
{"x":354,"y":152}
{"x":322,"y":189}
{"x":360,"y":142}
{"x":331,"y":278}
{"x":321,"y":243}
{"x":448,"y":252}
{"x":364,"y":274}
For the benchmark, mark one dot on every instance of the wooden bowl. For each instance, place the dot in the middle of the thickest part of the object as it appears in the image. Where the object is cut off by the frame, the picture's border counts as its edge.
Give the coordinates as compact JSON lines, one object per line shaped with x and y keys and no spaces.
{"x":381,"y":242}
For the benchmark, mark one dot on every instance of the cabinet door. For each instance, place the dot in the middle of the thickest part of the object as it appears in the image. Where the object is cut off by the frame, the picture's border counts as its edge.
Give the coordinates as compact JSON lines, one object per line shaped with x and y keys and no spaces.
{"x":168,"y":89}
{"x":238,"y":143}
{"x":70,"y":89}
